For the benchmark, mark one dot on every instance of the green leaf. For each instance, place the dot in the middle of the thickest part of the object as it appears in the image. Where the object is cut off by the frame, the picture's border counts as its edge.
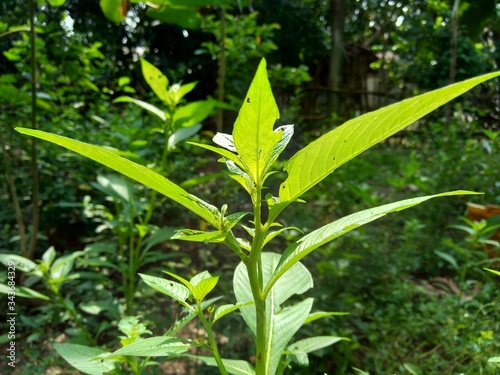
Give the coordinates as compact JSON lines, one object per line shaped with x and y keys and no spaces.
{"x":494,"y":360}
{"x":199,"y":236}
{"x":182,"y":280}
{"x":494,"y":271}
{"x":134,"y":171}
{"x":156,"y":80}
{"x":201,"y":290}
{"x":172,"y":289}
{"x":21,"y":263}
{"x":233,"y":366}
{"x":448,"y":258}
{"x":22,"y":291}
{"x":253,"y":133}
{"x":148,"y":107}
{"x":192,"y":113}
{"x":282,"y":323}
{"x":224,"y":153}
{"x":223,"y":310}
{"x":49,"y":255}
{"x":114,"y":10}
{"x":196,"y":279}
{"x":160,"y":346}
{"x":412,"y":369}
{"x":184,"y":17}
{"x":329,"y":232}
{"x":56,"y":3}
{"x":312,"y":344}
{"x":181,"y":90}
{"x":320,"y":158}
{"x":83,"y":358}
{"x":322,"y":314}
{"x":62,"y":266}
{"x":182,"y":134}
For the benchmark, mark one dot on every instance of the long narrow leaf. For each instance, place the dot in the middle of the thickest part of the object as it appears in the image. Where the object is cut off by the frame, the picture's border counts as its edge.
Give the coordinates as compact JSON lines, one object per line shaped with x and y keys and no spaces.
{"x":320,"y":158}
{"x":148,"y":107}
{"x":133,"y":170}
{"x":329,"y":232}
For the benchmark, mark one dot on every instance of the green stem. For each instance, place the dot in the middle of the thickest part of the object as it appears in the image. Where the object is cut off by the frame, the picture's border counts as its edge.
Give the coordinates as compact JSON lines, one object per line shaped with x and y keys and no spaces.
{"x":211,"y":339}
{"x":74,"y":315}
{"x":254,"y":267}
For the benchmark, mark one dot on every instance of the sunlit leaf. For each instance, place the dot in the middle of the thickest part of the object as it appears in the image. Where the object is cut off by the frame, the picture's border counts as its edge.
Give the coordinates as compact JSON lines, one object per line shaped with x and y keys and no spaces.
{"x":329,"y":232}
{"x":156,"y":80}
{"x":253,"y":134}
{"x":321,"y":157}
{"x":134,"y":171}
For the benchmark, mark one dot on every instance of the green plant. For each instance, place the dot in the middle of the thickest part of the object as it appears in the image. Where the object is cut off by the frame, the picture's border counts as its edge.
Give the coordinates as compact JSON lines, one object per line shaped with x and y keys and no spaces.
{"x":130,"y":219}
{"x":54,"y":273}
{"x":264,"y":281}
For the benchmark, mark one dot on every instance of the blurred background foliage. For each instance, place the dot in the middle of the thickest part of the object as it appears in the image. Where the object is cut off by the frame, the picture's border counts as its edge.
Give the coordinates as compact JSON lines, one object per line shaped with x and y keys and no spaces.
{"x":418,"y":299}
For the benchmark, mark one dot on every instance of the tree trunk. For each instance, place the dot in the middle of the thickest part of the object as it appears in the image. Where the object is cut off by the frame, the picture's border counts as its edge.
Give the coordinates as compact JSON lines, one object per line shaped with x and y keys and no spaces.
{"x":336,"y":54}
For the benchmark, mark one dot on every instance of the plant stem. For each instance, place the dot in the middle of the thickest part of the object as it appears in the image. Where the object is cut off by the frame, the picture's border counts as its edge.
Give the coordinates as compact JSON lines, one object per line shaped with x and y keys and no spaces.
{"x":34,"y":125}
{"x":211,"y":339}
{"x":254,"y":268}
{"x":74,"y":315}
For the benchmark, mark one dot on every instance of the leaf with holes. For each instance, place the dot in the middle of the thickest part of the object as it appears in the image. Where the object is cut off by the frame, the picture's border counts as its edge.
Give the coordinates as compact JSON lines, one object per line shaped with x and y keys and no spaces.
{"x":320,"y":158}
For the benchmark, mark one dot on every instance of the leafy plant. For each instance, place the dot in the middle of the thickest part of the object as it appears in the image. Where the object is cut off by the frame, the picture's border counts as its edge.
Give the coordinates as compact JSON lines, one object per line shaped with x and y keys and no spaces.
{"x":53,"y":272}
{"x":130,"y":219}
{"x":264,"y":282}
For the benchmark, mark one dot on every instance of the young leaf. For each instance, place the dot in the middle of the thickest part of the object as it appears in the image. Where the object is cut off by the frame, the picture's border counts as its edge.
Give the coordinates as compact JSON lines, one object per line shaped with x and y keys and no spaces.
{"x":160,"y":346}
{"x":172,"y":289}
{"x":181,"y":90}
{"x":83,"y":358}
{"x":156,"y":80}
{"x":201,"y":290}
{"x":329,"y":232}
{"x":134,"y":171}
{"x":321,"y":157}
{"x":253,"y":133}
{"x":49,"y":255}
{"x":233,"y":366}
